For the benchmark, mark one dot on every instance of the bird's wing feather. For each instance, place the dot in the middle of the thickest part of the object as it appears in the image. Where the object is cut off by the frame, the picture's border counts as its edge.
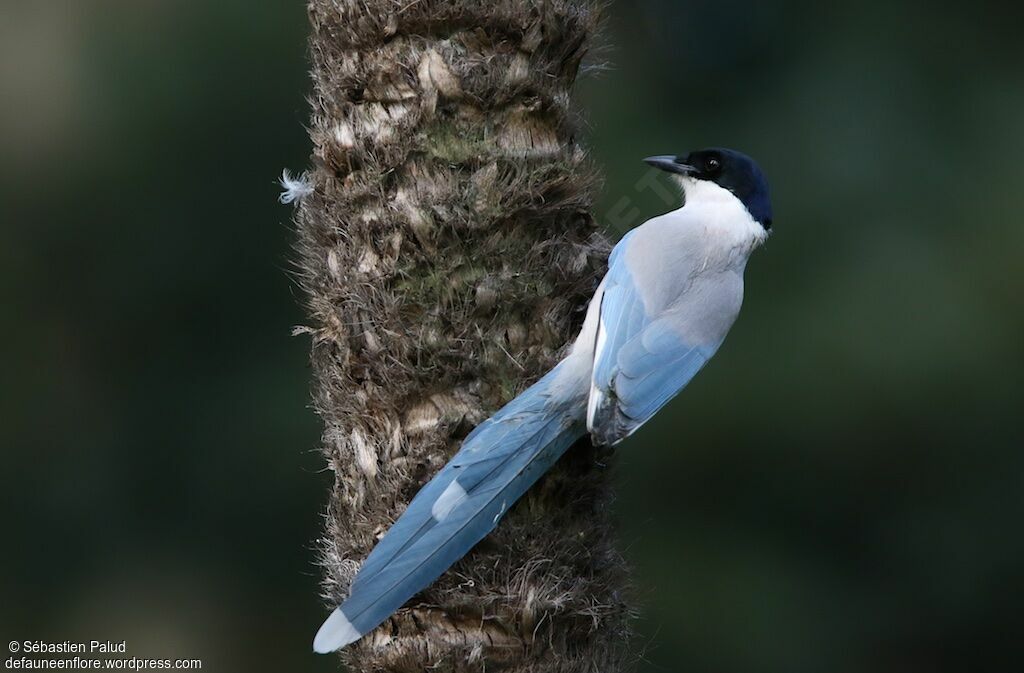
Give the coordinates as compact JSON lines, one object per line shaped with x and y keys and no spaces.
{"x":641,"y":359}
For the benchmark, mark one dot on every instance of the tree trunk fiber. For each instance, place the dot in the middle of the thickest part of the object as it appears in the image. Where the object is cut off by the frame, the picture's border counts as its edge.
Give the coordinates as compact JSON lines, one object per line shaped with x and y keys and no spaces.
{"x":447,"y":252}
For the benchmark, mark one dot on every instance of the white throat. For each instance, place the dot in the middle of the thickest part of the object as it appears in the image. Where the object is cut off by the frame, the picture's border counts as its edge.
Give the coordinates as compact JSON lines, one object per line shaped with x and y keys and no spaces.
{"x":722,"y":213}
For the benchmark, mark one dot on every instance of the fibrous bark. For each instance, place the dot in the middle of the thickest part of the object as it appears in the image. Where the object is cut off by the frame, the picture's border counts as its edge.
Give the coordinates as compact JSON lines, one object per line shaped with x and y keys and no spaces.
{"x":447,"y":252}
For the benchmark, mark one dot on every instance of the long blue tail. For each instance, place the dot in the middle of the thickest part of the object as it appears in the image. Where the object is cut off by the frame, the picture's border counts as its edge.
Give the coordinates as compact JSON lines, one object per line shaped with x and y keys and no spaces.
{"x":496,"y":465}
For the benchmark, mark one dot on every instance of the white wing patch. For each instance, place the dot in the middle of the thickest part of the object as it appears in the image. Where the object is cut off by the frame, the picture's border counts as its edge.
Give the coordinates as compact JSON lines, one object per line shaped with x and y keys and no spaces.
{"x":596,"y":397}
{"x":447,"y":501}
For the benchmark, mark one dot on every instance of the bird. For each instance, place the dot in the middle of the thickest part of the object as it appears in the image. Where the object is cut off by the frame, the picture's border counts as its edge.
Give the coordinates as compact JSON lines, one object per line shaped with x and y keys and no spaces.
{"x":672,"y":292}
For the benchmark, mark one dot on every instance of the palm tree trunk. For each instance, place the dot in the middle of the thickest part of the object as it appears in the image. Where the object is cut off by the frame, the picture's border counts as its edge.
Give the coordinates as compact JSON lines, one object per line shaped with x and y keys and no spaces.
{"x":447,"y":252}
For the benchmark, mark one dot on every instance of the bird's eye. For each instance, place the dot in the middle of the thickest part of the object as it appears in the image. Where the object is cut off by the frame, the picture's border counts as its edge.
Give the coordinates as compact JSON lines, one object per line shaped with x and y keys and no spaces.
{"x":712,"y":165}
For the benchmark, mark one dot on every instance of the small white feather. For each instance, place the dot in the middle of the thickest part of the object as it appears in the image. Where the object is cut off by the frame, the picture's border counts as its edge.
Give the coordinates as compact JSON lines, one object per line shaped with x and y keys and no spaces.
{"x":295,"y":188}
{"x":500,"y":512}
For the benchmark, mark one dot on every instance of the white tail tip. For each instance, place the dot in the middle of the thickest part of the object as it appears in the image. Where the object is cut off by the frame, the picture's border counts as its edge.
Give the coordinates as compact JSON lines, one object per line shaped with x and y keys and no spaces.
{"x":336,"y":633}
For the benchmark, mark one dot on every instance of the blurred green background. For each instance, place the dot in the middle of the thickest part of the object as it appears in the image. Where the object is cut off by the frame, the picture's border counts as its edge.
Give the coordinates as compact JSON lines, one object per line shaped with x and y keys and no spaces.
{"x":841,"y":490}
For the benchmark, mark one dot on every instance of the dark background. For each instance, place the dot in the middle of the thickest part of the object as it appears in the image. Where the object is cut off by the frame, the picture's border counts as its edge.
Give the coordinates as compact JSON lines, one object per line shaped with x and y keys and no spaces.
{"x":841,"y":490}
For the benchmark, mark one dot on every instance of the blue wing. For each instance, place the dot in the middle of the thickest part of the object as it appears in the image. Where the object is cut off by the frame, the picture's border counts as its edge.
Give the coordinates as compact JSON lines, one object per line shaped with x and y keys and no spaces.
{"x":641,"y":360}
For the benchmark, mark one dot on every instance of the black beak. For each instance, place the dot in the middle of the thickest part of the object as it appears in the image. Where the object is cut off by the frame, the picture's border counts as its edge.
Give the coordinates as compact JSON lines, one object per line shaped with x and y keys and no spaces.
{"x":667,"y":162}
